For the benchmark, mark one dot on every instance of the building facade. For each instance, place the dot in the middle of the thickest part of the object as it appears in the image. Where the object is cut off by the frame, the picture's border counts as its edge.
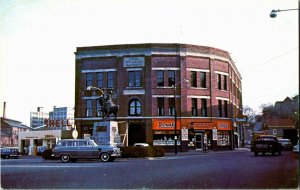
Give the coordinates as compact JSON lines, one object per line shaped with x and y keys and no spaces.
{"x":156,"y":83}
{"x":37,"y":118}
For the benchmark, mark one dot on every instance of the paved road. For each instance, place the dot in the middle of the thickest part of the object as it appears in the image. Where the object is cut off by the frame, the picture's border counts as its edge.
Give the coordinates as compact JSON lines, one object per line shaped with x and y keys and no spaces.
{"x":225,"y":170}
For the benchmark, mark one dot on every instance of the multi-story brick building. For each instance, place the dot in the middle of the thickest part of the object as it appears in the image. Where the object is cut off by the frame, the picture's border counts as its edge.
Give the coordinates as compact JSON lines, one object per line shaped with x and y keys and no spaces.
{"x":208,"y":93}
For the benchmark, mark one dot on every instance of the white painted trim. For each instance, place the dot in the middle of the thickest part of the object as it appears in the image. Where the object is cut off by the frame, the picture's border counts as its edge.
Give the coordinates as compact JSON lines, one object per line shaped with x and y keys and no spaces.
{"x":222,"y":73}
{"x":99,"y":70}
{"x":198,"y":70}
{"x":199,"y":97}
{"x":166,"y":68}
{"x":134,"y":92}
{"x":90,"y":97}
{"x":134,"y":69}
{"x":221,"y":98}
{"x":165,"y":96}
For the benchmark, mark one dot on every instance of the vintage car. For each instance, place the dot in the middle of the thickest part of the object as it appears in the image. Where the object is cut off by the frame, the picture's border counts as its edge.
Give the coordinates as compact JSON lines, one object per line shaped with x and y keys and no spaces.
{"x":72,"y":149}
{"x":266,"y":144}
{"x":10,"y":152}
{"x":286,"y":144}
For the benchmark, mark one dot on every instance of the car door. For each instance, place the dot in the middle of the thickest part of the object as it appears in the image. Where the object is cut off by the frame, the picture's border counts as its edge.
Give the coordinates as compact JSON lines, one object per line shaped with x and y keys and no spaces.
{"x":85,"y":150}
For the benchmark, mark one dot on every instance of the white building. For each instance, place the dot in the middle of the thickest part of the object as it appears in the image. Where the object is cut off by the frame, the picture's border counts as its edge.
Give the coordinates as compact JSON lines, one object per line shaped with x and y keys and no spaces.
{"x":38,"y":118}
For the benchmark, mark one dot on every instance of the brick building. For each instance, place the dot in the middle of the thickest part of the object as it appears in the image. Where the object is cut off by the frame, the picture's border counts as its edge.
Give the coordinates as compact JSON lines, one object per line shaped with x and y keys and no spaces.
{"x":208,"y":93}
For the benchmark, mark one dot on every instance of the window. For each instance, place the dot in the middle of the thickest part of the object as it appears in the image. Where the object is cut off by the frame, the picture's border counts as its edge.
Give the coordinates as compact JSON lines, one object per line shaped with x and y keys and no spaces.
{"x":110,"y":80}
{"x":194,"y":107}
{"x":220,"y":108}
{"x":100,"y":80}
{"x":171,"y":106}
{"x":225,"y":108}
{"x":203,"y":107}
{"x":193,"y":79}
{"x":202,"y":79}
{"x":160,"y":106}
{"x":219,"y":82}
{"x":135,"y":107}
{"x":171,"y":78}
{"x":160,"y":78}
{"x":99,"y":112}
{"x":225,"y":82}
{"x":88,"y":108}
{"x":134,"y":78}
{"x":89,"y":79}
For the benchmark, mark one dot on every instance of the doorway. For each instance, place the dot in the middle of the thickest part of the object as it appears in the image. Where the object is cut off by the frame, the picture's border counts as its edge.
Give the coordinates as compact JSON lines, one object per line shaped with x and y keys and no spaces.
{"x":136,"y":134}
{"x":199,"y":141}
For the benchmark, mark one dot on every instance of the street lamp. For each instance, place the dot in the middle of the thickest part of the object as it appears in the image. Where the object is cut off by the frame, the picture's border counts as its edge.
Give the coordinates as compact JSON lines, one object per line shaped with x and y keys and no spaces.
{"x":273,"y":13}
{"x":175,"y":114}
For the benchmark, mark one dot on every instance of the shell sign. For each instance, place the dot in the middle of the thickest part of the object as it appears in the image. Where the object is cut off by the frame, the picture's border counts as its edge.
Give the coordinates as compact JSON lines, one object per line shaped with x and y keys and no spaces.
{"x":165,"y":124}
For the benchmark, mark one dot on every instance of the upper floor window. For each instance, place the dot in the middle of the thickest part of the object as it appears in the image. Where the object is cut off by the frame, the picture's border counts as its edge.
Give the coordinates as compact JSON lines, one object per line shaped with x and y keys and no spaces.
{"x":134,"y":78}
{"x":193,"y":78}
{"x":225,"y":82}
{"x":194,"y":107}
{"x":160,"y":78}
{"x":135,"y":107}
{"x":100,"y":80}
{"x":219,"y":80}
{"x":99,"y":112}
{"x":220,"y":108}
{"x":110,"y":80}
{"x":225,"y":108}
{"x":171,"y":78}
{"x":171,"y":106}
{"x":160,"y":106}
{"x":89,"y":79}
{"x":203,"y":107}
{"x":88,"y":108}
{"x":202,"y":79}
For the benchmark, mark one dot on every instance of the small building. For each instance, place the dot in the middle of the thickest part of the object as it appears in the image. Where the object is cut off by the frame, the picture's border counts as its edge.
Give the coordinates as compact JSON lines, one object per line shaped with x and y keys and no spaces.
{"x":282,"y":128}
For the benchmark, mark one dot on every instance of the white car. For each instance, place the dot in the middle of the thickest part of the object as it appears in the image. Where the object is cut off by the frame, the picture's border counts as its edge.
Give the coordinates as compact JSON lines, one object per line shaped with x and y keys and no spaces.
{"x":296,"y":148}
{"x":141,"y":144}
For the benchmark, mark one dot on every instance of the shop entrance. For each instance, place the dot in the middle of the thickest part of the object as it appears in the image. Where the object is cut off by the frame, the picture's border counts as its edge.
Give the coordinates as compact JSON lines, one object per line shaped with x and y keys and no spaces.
{"x":136,"y":134}
{"x":199,"y":140}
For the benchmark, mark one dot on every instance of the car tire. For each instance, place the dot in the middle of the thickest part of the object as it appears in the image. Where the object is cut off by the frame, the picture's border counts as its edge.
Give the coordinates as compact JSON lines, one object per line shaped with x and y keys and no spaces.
{"x":104,"y":157}
{"x":65,"y":158}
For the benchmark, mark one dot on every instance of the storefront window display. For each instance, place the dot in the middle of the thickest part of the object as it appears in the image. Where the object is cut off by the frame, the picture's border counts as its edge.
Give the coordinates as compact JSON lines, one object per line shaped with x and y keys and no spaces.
{"x":164,"y":140}
{"x":223,"y":138}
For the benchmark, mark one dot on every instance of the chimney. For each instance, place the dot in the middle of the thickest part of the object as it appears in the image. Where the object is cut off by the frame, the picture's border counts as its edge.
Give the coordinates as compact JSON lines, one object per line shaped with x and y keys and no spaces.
{"x":4,"y":109}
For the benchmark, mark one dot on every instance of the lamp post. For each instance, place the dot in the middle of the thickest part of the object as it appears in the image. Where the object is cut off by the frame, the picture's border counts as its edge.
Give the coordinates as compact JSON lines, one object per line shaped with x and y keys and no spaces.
{"x":175,"y":114}
{"x":273,"y":13}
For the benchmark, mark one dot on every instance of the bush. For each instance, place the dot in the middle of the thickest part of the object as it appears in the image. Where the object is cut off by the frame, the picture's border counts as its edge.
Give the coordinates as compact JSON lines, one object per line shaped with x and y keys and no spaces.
{"x":138,"y":152}
{"x":47,"y":154}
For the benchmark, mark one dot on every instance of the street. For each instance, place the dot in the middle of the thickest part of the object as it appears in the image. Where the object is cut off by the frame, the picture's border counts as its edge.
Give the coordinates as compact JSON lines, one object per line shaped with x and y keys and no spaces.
{"x":197,"y":170}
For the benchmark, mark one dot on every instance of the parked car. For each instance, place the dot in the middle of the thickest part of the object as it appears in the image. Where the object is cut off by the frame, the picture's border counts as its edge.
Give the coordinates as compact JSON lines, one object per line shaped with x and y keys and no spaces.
{"x":296,"y":148}
{"x":72,"y":149}
{"x":266,"y":144}
{"x":286,"y":144}
{"x":10,"y":152}
{"x":40,"y":150}
{"x":141,"y":144}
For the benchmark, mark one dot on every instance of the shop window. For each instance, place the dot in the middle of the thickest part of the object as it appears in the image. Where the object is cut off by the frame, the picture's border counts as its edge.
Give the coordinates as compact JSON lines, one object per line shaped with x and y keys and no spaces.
{"x":99,"y":80}
{"x":134,"y":78}
{"x":160,"y":106}
{"x":88,"y":108}
{"x":135,"y":107}
{"x":202,"y":79}
{"x":203,"y":107}
{"x":160,"y":78}
{"x":171,"y":106}
{"x":89,"y":79}
{"x":171,"y":78}
{"x":223,"y":139}
{"x":194,"y":107}
{"x":220,"y":108}
{"x":193,"y":79}
{"x":110,"y":80}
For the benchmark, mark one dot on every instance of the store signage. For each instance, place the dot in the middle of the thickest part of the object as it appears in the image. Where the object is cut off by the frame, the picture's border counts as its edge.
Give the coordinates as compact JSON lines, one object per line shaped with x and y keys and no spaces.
{"x":241,"y":119}
{"x":202,"y":125}
{"x":184,"y":134}
{"x":134,"y":62}
{"x":57,"y":123}
{"x":165,"y":124}
{"x":49,"y":136}
{"x":223,"y":126}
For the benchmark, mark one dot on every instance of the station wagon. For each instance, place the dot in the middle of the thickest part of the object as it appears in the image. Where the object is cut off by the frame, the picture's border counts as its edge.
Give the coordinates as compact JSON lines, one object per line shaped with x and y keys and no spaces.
{"x":72,"y":149}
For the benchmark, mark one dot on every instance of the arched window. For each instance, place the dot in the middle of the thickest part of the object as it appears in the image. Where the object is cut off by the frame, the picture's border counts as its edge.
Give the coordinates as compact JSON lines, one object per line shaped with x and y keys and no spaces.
{"x":134,"y":107}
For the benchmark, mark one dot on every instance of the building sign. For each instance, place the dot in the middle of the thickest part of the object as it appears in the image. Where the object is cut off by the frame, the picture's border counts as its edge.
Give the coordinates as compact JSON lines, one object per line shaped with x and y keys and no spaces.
{"x":241,"y":119}
{"x":165,"y":124}
{"x":202,"y":125}
{"x":134,"y":62}
{"x":184,"y":134}
{"x":223,"y":125}
{"x":57,"y":123}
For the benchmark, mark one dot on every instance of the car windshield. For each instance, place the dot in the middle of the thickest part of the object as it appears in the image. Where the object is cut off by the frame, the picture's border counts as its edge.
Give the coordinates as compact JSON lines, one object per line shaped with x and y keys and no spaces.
{"x":92,"y":142}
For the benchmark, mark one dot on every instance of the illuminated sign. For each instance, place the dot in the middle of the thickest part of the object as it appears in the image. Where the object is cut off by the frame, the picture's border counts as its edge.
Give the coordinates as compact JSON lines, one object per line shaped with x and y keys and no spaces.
{"x":57,"y":123}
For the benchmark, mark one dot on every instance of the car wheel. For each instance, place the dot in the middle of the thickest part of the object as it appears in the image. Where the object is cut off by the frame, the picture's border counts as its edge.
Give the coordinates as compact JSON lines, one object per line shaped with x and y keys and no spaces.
{"x":65,"y":158}
{"x":104,"y":157}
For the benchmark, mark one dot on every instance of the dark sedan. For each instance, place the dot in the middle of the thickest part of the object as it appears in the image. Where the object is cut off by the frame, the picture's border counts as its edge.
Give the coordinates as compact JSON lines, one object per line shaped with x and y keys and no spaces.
{"x":285,"y":144}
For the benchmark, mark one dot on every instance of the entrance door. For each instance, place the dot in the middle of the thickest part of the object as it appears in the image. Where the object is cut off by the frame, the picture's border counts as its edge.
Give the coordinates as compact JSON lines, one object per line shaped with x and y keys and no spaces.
{"x":136,"y":134}
{"x":199,"y":140}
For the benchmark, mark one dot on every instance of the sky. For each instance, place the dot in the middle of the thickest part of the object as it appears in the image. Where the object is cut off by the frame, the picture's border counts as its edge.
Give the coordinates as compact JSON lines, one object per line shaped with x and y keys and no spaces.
{"x":38,"y":39}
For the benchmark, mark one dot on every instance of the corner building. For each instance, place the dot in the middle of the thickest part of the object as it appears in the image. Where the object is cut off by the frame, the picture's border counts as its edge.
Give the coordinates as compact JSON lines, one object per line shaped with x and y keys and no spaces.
{"x":207,"y":96}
